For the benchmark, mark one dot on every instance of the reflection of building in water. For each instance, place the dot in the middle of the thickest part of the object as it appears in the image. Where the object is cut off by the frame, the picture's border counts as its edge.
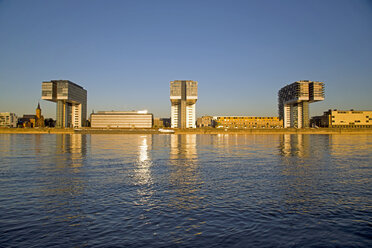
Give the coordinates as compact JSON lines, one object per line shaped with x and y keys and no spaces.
{"x":73,"y":146}
{"x":225,"y":141}
{"x":304,"y":172}
{"x":78,"y":148}
{"x":184,"y":175}
{"x":183,"y":146}
{"x":64,"y":182}
{"x":70,"y":155}
{"x":346,"y":146}
{"x":295,"y":145}
{"x":7,"y":141}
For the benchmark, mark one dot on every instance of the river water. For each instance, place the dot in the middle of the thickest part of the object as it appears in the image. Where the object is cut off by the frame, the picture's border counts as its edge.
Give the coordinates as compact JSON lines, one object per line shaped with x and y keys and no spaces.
{"x":185,"y":190}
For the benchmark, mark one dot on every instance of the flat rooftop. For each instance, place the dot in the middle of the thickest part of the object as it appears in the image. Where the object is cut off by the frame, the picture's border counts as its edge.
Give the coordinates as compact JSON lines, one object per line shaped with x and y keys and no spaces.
{"x":141,"y":112}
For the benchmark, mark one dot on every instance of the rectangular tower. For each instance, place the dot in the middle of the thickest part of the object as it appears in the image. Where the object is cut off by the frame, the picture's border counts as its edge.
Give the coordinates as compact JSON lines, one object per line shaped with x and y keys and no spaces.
{"x":71,"y":102}
{"x":183,"y":96}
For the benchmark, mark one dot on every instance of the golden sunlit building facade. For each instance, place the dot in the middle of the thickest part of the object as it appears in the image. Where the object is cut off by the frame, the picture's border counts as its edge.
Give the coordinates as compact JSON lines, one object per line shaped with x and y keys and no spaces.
{"x":205,"y":121}
{"x":247,"y":122}
{"x":344,"y":118}
{"x":183,"y":97}
{"x":294,"y":99}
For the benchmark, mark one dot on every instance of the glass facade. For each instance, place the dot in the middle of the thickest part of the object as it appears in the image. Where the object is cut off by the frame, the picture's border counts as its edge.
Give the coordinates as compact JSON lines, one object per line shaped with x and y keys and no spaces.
{"x":71,"y":102}
{"x":294,"y":99}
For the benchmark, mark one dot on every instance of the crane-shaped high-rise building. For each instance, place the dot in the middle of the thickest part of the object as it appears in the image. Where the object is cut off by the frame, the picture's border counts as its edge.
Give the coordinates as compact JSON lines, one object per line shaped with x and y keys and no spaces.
{"x":183,"y":96}
{"x":294,"y":99}
{"x":71,"y":102}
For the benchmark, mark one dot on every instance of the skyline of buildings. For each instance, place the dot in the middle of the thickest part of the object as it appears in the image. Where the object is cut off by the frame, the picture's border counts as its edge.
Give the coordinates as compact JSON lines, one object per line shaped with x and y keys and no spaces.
{"x":227,"y":59}
{"x":293,"y":106}
{"x":8,"y":119}
{"x":335,"y":107}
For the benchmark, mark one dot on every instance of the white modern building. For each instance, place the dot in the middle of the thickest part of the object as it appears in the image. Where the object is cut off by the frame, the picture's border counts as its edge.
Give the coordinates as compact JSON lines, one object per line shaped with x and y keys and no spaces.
{"x":71,"y":102}
{"x":183,"y":96}
{"x":8,"y":119}
{"x":294,"y":99}
{"x":121,"y":119}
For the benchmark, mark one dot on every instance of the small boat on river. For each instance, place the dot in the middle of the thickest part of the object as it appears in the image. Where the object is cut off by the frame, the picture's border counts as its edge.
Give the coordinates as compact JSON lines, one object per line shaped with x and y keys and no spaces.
{"x":166,"y":130}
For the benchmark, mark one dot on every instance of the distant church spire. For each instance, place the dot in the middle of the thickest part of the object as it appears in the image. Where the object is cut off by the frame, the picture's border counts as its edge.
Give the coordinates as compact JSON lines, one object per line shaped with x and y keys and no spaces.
{"x":39,"y":119}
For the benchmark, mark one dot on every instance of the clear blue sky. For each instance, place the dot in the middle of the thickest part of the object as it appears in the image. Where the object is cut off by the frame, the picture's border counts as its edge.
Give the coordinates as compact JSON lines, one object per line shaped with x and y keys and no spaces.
{"x":125,"y":53}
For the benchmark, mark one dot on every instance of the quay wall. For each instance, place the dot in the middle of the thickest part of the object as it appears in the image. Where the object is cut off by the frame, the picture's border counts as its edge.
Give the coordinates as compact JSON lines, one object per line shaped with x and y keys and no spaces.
{"x":188,"y":131}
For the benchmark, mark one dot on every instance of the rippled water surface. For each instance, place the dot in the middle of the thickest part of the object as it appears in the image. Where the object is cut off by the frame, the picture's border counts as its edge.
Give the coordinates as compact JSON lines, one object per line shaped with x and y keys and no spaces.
{"x":185,"y":190}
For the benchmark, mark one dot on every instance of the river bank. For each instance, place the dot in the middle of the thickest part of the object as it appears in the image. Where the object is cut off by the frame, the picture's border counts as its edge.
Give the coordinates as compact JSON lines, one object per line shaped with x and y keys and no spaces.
{"x":187,"y":131}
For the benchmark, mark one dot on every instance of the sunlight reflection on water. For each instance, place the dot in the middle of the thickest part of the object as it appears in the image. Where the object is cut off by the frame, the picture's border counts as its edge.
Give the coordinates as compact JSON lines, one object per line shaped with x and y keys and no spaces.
{"x":190,"y":190}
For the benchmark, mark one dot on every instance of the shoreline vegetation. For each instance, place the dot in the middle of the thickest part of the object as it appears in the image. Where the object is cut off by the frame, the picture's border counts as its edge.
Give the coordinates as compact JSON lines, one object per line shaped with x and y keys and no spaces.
{"x":187,"y":131}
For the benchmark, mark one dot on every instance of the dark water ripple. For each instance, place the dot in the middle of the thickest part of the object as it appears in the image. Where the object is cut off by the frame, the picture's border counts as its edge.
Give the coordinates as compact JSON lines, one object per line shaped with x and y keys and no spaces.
{"x":185,"y":190}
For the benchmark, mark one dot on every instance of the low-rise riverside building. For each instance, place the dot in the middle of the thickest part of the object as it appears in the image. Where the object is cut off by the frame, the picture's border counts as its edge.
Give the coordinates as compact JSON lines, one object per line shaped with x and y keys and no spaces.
{"x":27,"y":121}
{"x":247,"y":122}
{"x":162,"y":122}
{"x":8,"y":119}
{"x":344,"y":119}
{"x":121,"y":119}
{"x":205,"y":121}
{"x":32,"y":120}
{"x":158,"y":123}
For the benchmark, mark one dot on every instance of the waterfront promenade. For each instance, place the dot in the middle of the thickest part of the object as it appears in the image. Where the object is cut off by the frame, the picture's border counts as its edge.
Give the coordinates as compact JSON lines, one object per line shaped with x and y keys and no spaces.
{"x":189,"y":131}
